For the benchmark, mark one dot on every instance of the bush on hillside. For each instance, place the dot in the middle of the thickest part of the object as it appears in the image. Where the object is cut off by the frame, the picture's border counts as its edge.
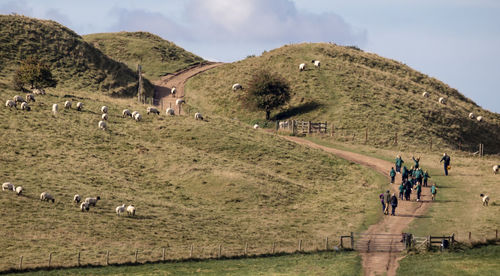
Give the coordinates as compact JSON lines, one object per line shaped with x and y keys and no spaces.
{"x":34,"y":73}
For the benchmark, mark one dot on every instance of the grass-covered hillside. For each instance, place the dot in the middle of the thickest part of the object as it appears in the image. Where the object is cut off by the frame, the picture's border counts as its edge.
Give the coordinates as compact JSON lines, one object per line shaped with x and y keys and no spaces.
{"x":193,"y":182}
{"x":157,"y":56}
{"x":74,"y":63}
{"x":354,"y":90}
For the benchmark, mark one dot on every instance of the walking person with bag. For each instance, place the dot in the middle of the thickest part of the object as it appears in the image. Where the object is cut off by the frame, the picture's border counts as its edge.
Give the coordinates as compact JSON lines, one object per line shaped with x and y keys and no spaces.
{"x":446,"y":158}
{"x":394,"y":204}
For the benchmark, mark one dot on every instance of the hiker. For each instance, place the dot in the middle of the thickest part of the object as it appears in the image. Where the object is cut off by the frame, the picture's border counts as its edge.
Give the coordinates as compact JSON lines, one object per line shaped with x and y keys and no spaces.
{"x":419,"y":190}
{"x":417,"y":162}
{"x":426,"y":176}
{"x":401,"y":190}
{"x":404,"y":175}
{"x":394,"y":204}
{"x":446,"y":158}
{"x":419,"y":175}
{"x":381,"y":196}
{"x":399,"y":163}
{"x":393,"y":175}
{"x":408,"y":190}
{"x":387,"y":201}
{"x":433,"y":191}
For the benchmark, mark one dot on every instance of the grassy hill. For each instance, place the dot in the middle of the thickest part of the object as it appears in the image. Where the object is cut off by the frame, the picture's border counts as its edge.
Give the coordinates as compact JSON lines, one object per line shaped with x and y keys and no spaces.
{"x":75,"y":63}
{"x":157,"y":56}
{"x":354,"y":91}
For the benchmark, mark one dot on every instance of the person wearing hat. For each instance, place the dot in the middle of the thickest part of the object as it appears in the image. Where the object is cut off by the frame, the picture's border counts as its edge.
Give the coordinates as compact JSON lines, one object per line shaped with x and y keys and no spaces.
{"x":394,"y":204}
{"x":446,"y":158}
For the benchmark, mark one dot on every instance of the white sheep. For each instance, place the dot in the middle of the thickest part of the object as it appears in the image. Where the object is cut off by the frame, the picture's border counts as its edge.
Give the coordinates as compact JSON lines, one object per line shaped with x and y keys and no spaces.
{"x":170,"y":111}
{"x":172,"y":91}
{"x":237,"y":86}
{"x":317,"y":63}
{"x":104,"y":116}
{"x":152,"y":110}
{"x":485,"y":199}
{"x":131,"y":210}
{"x":104,"y":109}
{"x":256,"y":126}
{"x":68,"y":104}
{"x":120,"y":209}
{"x":102,"y":125}
{"x":138,"y":117}
{"x":79,"y":106}
{"x":18,"y":99}
{"x":77,"y":198}
{"x":471,"y":115}
{"x":92,"y":200}
{"x":10,"y":104}
{"x":30,"y":98}
{"x":126,"y":113}
{"x":302,"y":67}
{"x":7,"y":186}
{"x":198,"y":116}
{"x":25,"y":106}
{"x":134,"y":113}
{"x":84,"y":206}
{"x":425,"y":94}
{"x":179,"y":101}
{"x":19,"y":190}
{"x":47,"y":197}
{"x":442,"y":100}
{"x":55,"y":108}
{"x":38,"y":91}
{"x":496,"y":168}
{"x":479,"y":118}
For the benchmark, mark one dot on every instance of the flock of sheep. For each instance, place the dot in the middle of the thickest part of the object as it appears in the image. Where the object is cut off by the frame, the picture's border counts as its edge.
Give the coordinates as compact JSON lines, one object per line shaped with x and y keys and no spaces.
{"x":443,"y":101}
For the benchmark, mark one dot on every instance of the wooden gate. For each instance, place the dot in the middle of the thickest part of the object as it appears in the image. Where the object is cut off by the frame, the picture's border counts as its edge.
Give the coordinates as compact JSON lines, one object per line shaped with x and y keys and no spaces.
{"x":381,"y":242}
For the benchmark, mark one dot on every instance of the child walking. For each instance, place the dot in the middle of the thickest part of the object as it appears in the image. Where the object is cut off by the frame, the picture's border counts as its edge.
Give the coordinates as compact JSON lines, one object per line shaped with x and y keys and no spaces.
{"x":393,"y":175}
{"x":433,"y":191}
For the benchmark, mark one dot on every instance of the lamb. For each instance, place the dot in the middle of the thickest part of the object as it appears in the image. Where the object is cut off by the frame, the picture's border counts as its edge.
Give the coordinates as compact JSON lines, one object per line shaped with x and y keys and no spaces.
{"x":496,"y":168}
{"x":18,"y":99}
{"x":85,"y":206}
{"x":198,"y":116}
{"x":25,"y":106}
{"x":79,"y":106}
{"x":104,"y":109}
{"x":442,"y":100}
{"x":179,"y":101}
{"x":256,"y":126}
{"x":38,"y":91}
{"x":30,"y":98}
{"x":316,"y":63}
{"x":479,"y":118}
{"x":126,"y":113}
{"x":170,"y":111}
{"x":237,"y":86}
{"x":19,"y":190}
{"x":120,"y":209}
{"x":7,"y":186}
{"x":47,"y":197}
{"x":67,"y":104}
{"x":486,"y":199}
{"x":102,"y":125}
{"x":302,"y":67}
{"x":77,"y":198}
{"x":152,"y":110}
{"x":138,"y":117}
{"x":92,"y":200}
{"x":471,"y":115}
{"x":104,"y":116}
{"x":10,"y":104}
{"x":425,"y":94}
{"x":131,"y":210}
{"x":55,"y":108}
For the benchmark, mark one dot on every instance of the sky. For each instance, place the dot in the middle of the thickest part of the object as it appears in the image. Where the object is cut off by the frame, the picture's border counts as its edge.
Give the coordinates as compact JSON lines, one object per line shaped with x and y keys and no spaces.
{"x":456,"y":41}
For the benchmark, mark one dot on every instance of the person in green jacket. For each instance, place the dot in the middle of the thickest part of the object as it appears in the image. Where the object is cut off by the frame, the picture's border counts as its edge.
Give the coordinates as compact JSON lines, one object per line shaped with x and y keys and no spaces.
{"x":426,"y":176}
{"x":401,"y":190}
{"x":418,"y":174}
{"x":393,"y":175}
{"x":433,"y":191}
{"x":399,"y":163}
{"x":417,"y":162}
{"x":419,"y":190}
{"x":404,"y":175}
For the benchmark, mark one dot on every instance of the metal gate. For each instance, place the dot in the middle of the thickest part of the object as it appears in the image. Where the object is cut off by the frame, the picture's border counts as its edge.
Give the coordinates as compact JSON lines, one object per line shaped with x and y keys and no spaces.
{"x":364,"y":242}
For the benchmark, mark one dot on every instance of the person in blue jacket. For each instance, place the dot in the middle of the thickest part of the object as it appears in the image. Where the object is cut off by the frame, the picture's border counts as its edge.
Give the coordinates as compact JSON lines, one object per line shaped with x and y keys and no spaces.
{"x":446,"y":158}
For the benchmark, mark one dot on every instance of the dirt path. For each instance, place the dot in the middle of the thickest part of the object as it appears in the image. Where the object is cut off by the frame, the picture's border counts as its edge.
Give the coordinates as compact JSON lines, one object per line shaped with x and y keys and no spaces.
{"x":163,"y":87}
{"x":380,"y":263}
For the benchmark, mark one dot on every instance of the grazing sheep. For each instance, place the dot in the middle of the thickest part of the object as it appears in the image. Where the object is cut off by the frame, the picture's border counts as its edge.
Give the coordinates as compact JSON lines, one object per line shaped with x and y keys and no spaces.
{"x":55,"y":108}
{"x":179,"y":101}
{"x":104,"y":109}
{"x":79,"y":106}
{"x":10,"y":104}
{"x":479,"y":118}
{"x":38,"y":91}
{"x":47,"y":197}
{"x":170,"y":111}
{"x":172,"y":91}
{"x":471,"y":115}
{"x":126,"y":113}
{"x":496,"y":168}
{"x":92,"y":200}
{"x":25,"y":106}
{"x":486,"y":199}
{"x":102,"y":125}
{"x":30,"y":98}
{"x":85,"y":206}
{"x":67,"y":104}
{"x":131,"y":210}
{"x":134,"y":113}
{"x":77,"y":198}
{"x":104,"y":116}
{"x":237,"y":86}
{"x":120,"y":209}
{"x":316,"y":63}
{"x":153,"y":110}
{"x":198,"y":116}
{"x":442,"y":100}
{"x":256,"y":126}
{"x":283,"y":124}
{"x":425,"y":95}
{"x":138,"y":117}
{"x":7,"y":186}
{"x":18,"y":99}
{"x":302,"y":67}
{"x":19,"y":190}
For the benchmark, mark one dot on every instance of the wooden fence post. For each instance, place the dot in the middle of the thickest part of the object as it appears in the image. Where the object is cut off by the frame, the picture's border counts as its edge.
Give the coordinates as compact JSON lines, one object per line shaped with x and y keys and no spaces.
{"x":353,"y":136}
{"x":366,"y":135}
{"x":136,"y":252}
{"x":352,"y":240}
{"x":396,"y":138}
{"x":309,"y":129}
{"x":430,"y":144}
{"x":274,"y":247}
{"x":107,"y":257}
{"x":470,"y":236}
{"x":496,"y":234}
{"x":300,"y":245}
{"x":326,"y":243}
{"x":333,"y":131}
{"x":21,"y":263}
{"x":220,"y":250}
{"x":50,"y":258}
{"x":341,"y":242}
{"x":163,"y":254}
{"x":429,"y":244}
{"x":191,"y":252}
{"x":78,"y":258}
{"x":246,"y":248}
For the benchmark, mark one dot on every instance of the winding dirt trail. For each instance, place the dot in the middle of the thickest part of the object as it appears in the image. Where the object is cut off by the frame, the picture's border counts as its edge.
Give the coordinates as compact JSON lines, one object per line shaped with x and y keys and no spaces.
{"x":388,"y":229}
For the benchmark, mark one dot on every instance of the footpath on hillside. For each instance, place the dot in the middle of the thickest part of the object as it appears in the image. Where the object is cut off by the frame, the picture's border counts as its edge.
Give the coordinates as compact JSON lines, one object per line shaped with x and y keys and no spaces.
{"x":390,"y":227}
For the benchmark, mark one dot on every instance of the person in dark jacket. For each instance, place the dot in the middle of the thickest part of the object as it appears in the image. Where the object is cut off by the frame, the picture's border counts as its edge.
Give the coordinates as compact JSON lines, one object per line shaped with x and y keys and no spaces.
{"x":426,"y":176}
{"x":417,"y":162}
{"x":399,"y":163}
{"x":408,"y":190}
{"x":393,"y":175}
{"x":394,"y":204}
{"x":404,"y":175}
{"x":446,"y":158}
{"x":387,"y":200}
{"x":381,"y":196}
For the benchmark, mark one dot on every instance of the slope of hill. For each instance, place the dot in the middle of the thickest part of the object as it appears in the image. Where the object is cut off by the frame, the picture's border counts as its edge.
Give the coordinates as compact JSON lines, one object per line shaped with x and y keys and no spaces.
{"x":354,"y":91}
{"x":157,"y":56}
{"x":75,"y":63}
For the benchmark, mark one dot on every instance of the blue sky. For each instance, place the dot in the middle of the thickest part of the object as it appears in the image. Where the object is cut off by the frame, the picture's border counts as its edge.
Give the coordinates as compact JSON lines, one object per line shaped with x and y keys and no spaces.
{"x":456,"y":41}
